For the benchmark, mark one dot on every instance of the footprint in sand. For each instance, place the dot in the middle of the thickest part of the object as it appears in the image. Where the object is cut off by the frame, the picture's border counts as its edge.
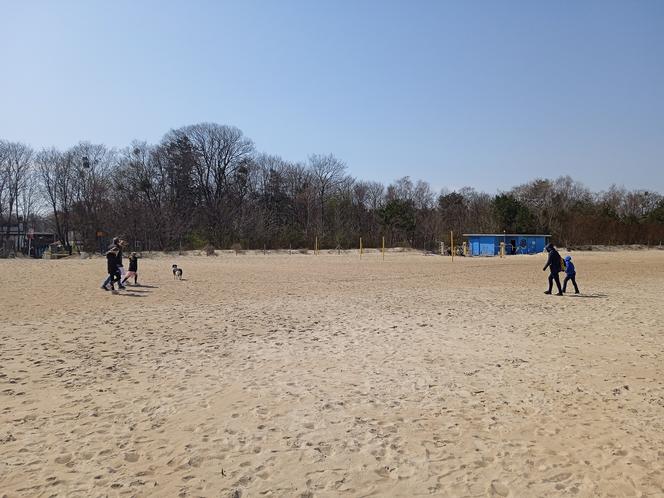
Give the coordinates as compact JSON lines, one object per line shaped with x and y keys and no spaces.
{"x":498,"y":489}
{"x":63,"y":459}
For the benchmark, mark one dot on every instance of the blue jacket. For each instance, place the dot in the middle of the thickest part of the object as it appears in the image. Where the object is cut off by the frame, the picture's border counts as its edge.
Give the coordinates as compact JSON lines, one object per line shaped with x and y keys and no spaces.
{"x":569,"y":268}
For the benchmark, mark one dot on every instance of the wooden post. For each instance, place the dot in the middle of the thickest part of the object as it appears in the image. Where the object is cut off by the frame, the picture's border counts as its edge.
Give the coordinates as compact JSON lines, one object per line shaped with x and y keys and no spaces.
{"x":452,"y":243}
{"x":316,"y":247}
{"x":383,"y":248}
{"x":360,"y":247}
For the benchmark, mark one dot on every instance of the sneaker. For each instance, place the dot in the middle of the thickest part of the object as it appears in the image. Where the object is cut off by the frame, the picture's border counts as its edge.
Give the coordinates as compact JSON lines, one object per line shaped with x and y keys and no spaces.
{"x":104,"y":287}
{"x":559,"y":294}
{"x":577,"y":292}
{"x":121,"y":287}
{"x":547,"y":292}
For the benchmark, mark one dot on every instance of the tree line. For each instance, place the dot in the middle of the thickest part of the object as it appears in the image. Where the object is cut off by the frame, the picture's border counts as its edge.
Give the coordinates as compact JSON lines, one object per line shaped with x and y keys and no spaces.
{"x":207,"y":185}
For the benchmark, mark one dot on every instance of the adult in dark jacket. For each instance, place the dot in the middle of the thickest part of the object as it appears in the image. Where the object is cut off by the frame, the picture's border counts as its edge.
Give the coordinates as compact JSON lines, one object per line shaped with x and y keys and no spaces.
{"x":114,"y":252}
{"x":112,"y":269}
{"x":120,"y":244}
{"x":553,"y":263}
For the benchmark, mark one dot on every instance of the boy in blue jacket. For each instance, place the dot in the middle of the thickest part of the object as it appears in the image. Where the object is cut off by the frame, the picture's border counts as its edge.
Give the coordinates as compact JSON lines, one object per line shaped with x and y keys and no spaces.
{"x":570,"y":274}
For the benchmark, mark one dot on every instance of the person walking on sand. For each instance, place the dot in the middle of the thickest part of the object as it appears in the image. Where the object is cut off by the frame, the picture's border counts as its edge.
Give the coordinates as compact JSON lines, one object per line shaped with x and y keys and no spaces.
{"x":120,"y":244}
{"x":570,"y":274}
{"x":116,"y":251}
{"x":112,"y":268}
{"x":133,"y":269}
{"x":554,"y":264}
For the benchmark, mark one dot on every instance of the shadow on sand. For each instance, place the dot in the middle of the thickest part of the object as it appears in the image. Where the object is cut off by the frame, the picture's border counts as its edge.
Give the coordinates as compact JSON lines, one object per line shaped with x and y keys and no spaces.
{"x":588,"y":296}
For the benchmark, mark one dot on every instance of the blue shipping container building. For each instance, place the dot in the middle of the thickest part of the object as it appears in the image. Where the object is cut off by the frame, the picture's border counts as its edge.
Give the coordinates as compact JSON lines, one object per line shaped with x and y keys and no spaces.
{"x":488,"y":244}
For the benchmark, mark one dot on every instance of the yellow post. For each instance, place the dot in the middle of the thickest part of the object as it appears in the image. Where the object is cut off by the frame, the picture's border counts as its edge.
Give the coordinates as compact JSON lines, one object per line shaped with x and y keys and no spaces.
{"x":452,"y":243}
{"x":360,"y":247}
{"x":383,"y":249}
{"x":465,"y":248}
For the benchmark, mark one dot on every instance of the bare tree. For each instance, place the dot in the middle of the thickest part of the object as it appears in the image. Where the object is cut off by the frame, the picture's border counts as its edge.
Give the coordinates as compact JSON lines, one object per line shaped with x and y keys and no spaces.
{"x":402,"y":189}
{"x":479,"y":212}
{"x":4,"y":178}
{"x":299,"y":186}
{"x":422,"y":195}
{"x":221,"y":156}
{"x":57,"y":180}
{"x":30,"y":200}
{"x":375,"y":195}
{"x":18,"y":157}
{"x":328,"y":174}
{"x":91,"y":167}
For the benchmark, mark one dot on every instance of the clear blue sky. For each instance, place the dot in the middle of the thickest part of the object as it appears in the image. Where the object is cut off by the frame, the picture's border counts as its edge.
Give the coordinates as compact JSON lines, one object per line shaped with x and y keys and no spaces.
{"x":487,"y":94}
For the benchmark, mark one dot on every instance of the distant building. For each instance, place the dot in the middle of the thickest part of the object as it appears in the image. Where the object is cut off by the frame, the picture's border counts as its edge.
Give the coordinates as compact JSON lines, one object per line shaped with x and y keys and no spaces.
{"x":488,"y":244}
{"x":19,"y":238}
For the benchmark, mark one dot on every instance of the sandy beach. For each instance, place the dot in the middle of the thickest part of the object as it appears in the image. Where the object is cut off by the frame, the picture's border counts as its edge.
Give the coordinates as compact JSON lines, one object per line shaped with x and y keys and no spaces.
{"x":319,"y":376}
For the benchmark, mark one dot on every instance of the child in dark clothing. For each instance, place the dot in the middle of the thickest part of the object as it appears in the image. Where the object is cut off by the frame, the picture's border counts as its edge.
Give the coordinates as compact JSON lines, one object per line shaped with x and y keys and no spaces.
{"x":133,"y":268}
{"x":570,"y":274}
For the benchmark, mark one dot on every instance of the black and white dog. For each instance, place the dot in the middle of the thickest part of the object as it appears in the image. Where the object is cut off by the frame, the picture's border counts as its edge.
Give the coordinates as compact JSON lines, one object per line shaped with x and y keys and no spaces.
{"x":177,"y":272}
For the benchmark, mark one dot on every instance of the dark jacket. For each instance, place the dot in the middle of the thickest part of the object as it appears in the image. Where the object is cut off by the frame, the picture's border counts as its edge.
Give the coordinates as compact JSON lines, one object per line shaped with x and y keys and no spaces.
{"x":111,"y":261}
{"x":133,"y":263}
{"x":554,"y":262}
{"x":118,"y":254}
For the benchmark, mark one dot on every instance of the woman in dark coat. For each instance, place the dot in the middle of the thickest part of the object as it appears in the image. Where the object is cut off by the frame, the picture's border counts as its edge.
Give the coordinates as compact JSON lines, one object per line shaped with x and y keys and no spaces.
{"x":554,"y":264}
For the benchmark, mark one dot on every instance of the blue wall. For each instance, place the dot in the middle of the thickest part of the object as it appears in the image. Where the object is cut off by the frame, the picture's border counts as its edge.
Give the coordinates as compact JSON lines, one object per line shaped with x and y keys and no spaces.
{"x":489,"y":245}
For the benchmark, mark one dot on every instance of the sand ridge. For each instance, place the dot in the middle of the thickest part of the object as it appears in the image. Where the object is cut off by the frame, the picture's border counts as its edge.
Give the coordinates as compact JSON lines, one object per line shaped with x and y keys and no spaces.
{"x":329,"y":375}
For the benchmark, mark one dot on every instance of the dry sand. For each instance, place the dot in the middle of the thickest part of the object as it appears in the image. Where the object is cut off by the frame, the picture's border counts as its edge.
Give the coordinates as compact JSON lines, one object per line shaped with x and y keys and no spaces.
{"x":329,"y":375}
